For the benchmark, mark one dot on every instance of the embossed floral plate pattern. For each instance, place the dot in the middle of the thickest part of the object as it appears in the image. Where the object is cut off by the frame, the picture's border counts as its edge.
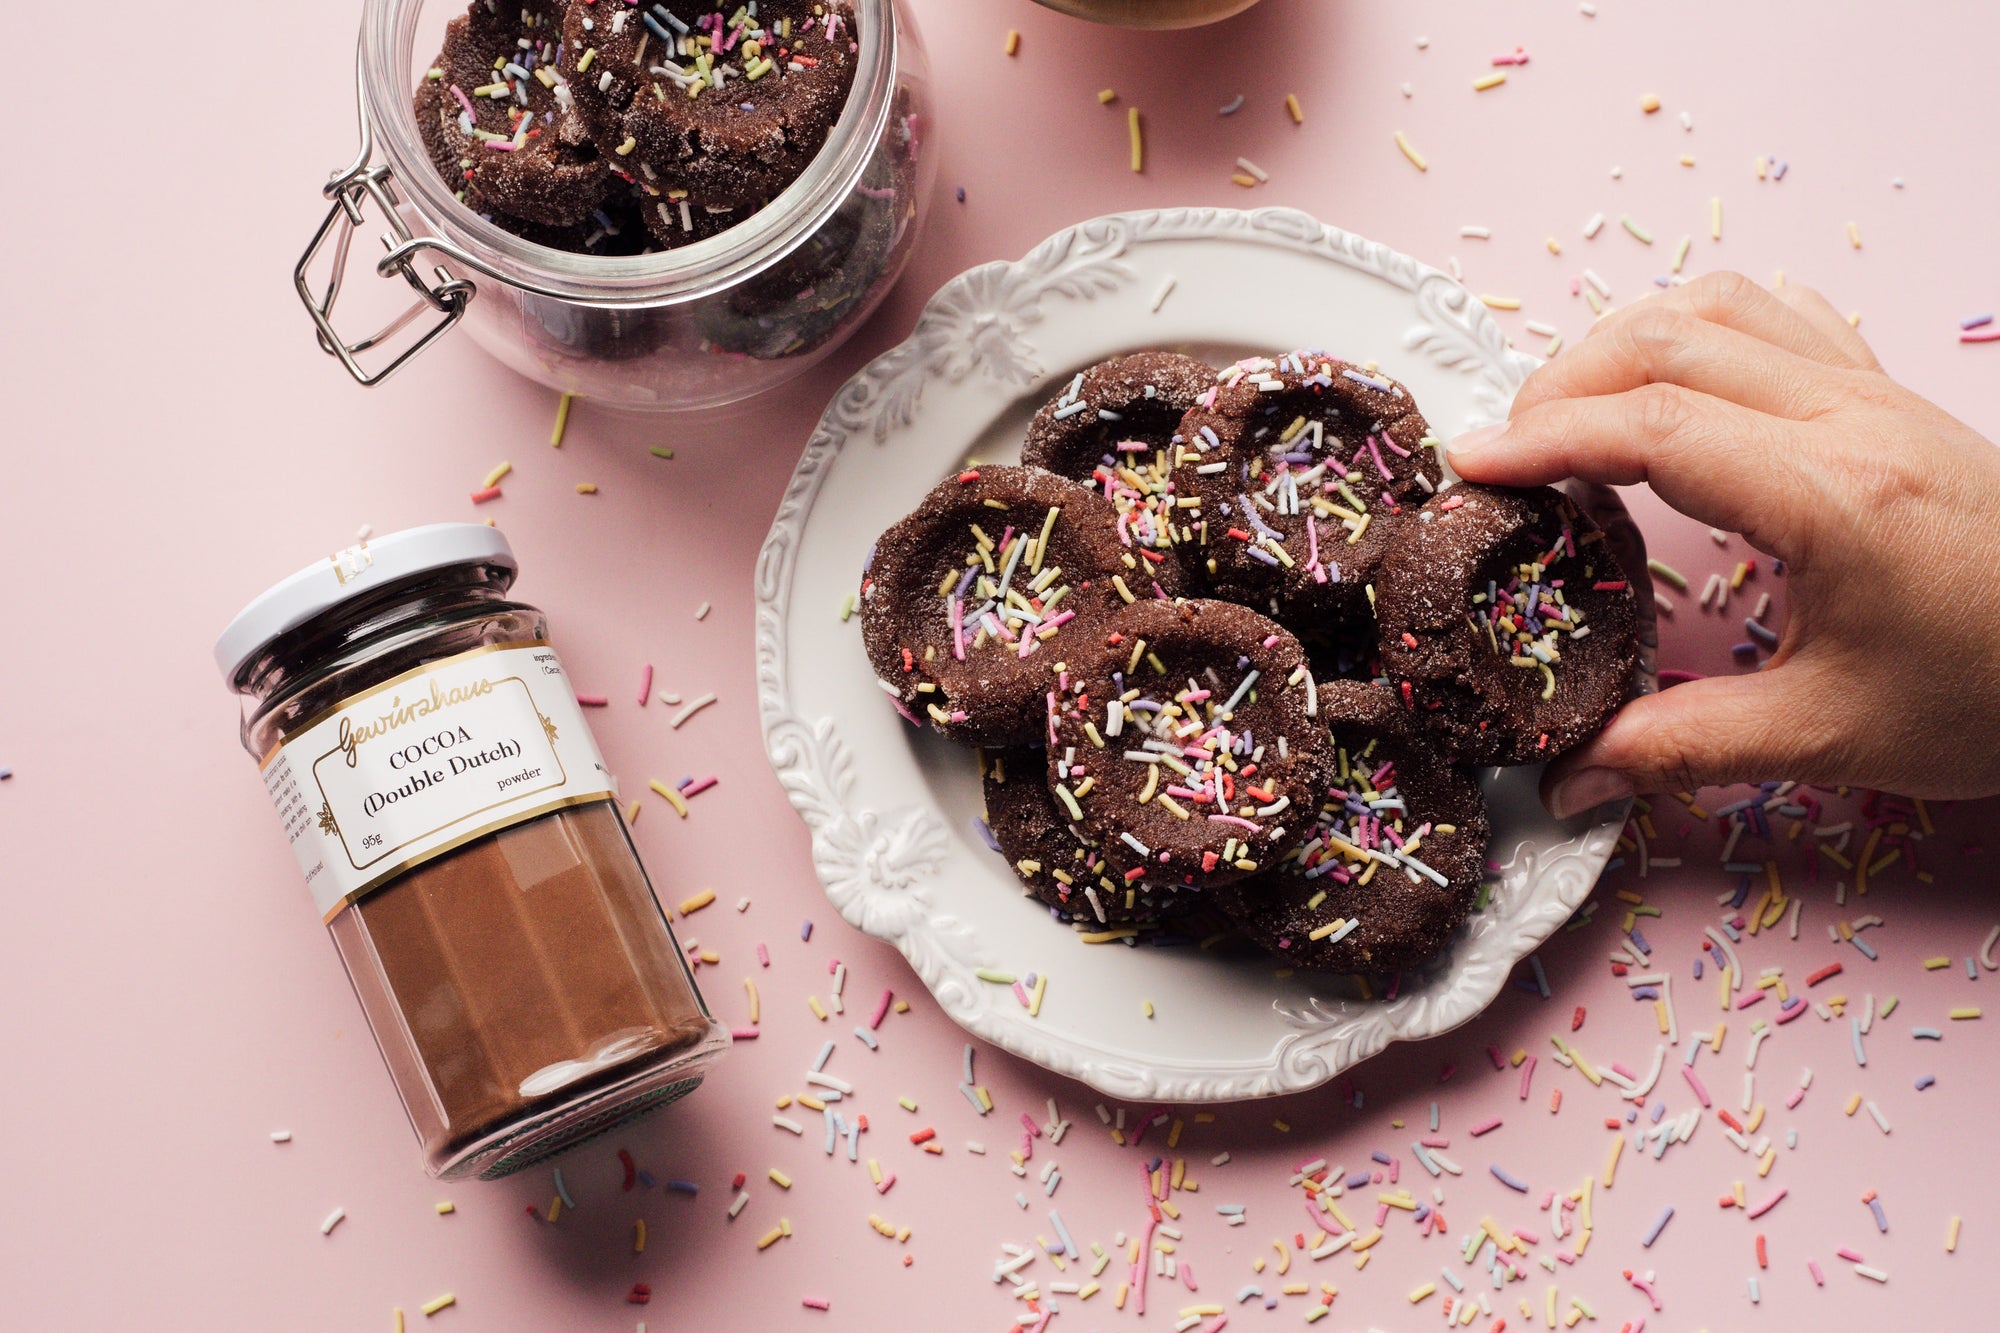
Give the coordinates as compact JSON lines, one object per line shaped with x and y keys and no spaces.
{"x":892,"y":809}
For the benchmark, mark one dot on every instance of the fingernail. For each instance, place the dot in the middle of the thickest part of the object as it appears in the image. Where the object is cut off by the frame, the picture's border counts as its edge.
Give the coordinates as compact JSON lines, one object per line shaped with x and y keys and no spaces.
{"x":1477,"y":439}
{"x":1586,"y":789}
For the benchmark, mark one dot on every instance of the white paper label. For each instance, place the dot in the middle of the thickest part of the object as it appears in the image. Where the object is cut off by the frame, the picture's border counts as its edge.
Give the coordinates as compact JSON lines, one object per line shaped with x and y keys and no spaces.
{"x":427,"y":762}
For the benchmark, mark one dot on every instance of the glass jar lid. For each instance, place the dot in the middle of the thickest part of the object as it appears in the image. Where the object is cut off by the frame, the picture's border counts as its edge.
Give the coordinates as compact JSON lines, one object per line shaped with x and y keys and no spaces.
{"x":353,"y":573}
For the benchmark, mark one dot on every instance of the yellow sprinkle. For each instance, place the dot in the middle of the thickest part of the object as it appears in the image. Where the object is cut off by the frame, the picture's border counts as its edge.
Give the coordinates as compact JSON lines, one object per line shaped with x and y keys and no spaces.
{"x":812,"y":1003}
{"x":1853,"y":238}
{"x":1500,"y":302}
{"x":398,"y":1313}
{"x":1245,"y":179}
{"x":1035,"y":995}
{"x":1298,"y":113}
{"x":1611,"y":1160}
{"x":1138,"y":139}
{"x":1410,"y":151}
{"x":1951,"y":1238}
{"x":632,"y":813}
{"x":1281,"y":1127}
{"x":1555,"y":246}
{"x":1493,"y":80}
{"x":770,"y":1238}
{"x":1853,"y":1104}
{"x":780,"y":1179}
{"x":1118,"y":582}
{"x":1687,"y":159}
{"x":1106,"y":96}
{"x":1715,"y":218}
{"x":639,"y":1236}
{"x":1970,"y":1011}
{"x":1421,"y":1292}
{"x":1933,"y":964}
{"x":436,"y":1303}
{"x":1146,"y":1008}
{"x":689,"y":906}
{"x":555,"y":1208}
{"x":625,"y":149}
{"x":1649,"y":104}
{"x":751,"y":986}
{"x":493,"y":477}
{"x":673,"y":797}
{"x":586,"y":488}
{"x":562,"y":421}
{"x":446,"y":1206}
{"x":1013,"y":41}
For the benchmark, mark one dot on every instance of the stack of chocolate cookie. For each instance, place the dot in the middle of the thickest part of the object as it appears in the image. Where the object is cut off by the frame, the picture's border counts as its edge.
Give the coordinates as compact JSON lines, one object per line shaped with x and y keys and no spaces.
{"x":609,"y":127}
{"x":1234,"y":645}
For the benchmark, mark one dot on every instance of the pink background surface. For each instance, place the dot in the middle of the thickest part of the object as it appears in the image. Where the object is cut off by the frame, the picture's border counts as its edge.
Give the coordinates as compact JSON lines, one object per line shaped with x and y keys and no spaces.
{"x":177,"y":443}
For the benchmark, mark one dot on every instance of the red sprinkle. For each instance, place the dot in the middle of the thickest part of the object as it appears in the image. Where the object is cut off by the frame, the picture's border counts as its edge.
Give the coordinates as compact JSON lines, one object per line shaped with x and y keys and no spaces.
{"x":969,"y":476}
{"x":640,"y":1293}
{"x":1830,"y":970}
{"x":490,"y":493}
{"x":1576,"y":1019}
{"x":923,"y":1136}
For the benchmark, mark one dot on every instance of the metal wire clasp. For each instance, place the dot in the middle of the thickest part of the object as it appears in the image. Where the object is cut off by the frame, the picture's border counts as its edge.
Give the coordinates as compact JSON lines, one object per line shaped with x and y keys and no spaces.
{"x":351,"y":190}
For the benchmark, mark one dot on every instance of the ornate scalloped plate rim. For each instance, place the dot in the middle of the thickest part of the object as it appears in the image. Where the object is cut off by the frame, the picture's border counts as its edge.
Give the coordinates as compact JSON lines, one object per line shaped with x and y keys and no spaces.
{"x":885,"y":395}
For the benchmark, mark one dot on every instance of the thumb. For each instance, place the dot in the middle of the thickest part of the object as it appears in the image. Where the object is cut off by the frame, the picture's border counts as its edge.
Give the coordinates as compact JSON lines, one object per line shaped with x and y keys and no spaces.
{"x":1706,"y":733}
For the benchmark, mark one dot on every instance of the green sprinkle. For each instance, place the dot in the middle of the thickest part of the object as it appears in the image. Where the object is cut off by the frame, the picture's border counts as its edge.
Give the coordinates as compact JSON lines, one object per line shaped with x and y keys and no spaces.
{"x":659,"y":452}
{"x":1888,"y":1007}
{"x":1639,"y":233}
{"x":996,"y":977}
{"x":846,"y":608}
{"x":1661,"y":569}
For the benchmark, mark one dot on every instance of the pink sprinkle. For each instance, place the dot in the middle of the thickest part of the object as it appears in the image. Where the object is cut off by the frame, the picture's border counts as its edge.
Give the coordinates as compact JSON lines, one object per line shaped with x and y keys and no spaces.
{"x":763,"y":954}
{"x":815,"y":1303}
{"x":1819,"y":1278}
{"x":463,"y":100}
{"x":1436,"y":1141}
{"x":1792,"y":1102}
{"x":592,"y":700}
{"x":1380,"y":466}
{"x":881,"y":1009}
{"x":1187,"y":1276}
{"x":1771,"y":1203}
{"x":645,"y":683}
{"x":1485,"y":1127}
{"x":1848,"y":1255}
{"x":696,"y":789}
{"x":744,"y":1034}
{"x":1021,"y":994}
{"x":1980,"y":335}
{"x":1233,"y":819}
{"x":1527,"y":1073}
{"x":1694,"y":1081}
{"x":887,"y":1180}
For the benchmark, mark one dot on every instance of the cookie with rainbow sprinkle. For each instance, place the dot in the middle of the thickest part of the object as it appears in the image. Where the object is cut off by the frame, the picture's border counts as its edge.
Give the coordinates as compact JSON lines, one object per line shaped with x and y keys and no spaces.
{"x":1506,"y":623}
{"x":713,"y":105}
{"x":1186,"y":743}
{"x":1299,"y":468}
{"x":970,"y":604}
{"x":499,"y":123}
{"x":1391,"y":864}
{"x":1055,"y":863}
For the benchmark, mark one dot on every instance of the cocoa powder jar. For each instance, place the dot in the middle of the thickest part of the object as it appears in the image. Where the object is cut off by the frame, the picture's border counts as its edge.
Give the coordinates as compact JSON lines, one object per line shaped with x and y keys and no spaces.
{"x":461,"y":838}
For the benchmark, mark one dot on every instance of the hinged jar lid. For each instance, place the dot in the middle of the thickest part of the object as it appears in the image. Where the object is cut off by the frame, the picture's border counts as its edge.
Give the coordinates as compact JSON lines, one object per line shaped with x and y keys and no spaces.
{"x":352,"y":573}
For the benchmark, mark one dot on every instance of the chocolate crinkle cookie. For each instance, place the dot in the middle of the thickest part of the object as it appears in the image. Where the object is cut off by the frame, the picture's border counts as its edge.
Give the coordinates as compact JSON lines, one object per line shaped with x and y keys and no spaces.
{"x":1391,"y":864}
{"x":1055,"y":863}
{"x":1506,"y":623}
{"x":1301,"y":467}
{"x":1187,"y":745}
{"x":716,"y":106}
{"x":971,"y":603}
{"x":500,"y":124}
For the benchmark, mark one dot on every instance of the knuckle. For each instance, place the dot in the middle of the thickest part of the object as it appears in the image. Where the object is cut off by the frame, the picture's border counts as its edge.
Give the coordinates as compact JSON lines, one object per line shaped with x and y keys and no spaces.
{"x":1652,"y":332}
{"x":1725,"y":290}
{"x":1660,"y":412}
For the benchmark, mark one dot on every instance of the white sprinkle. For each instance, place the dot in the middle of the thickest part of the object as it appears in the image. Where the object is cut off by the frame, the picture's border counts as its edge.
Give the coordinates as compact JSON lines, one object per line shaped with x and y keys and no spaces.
{"x":1253,"y":168}
{"x":691,"y":710}
{"x":333,"y":1219}
{"x":792,"y":1125}
{"x":1476,"y":233}
{"x":1587,"y":9}
{"x":701,"y":612}
{"x":1540,"y":328}
{"x":1166,"y":290}
{"x":1687,"y":121}
{"x":281,"y":1136}
{"x":1408,"y":91}
{"x":1592,"y":227}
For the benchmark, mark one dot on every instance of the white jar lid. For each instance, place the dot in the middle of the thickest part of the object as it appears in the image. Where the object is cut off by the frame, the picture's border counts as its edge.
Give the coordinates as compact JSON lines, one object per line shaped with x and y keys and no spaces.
{"x":352,"y":573}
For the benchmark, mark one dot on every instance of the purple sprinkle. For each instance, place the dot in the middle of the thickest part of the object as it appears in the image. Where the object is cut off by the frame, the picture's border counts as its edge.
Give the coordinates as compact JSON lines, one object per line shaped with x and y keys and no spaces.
{"x":1926,"y":1081}
{"x":1975,"y":321}
{"x":1645,"y":992}
{"x":1697,"y":967}
{"x":683,"y":1187}
{"x":806,"y":929}
{"x":985,"y":831}
{"x":1518,"y":1186}
{"x":1381,"y":1157}
{"x":961,"y":194}
{"x":1639,"y":940}
{"x":1659,"y":1225}
{"x":1881,"y":1218}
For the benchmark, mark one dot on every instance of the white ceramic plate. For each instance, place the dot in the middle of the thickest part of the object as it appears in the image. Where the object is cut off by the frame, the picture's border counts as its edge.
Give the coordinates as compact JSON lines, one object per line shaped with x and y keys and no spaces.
{"x":891,"y":809}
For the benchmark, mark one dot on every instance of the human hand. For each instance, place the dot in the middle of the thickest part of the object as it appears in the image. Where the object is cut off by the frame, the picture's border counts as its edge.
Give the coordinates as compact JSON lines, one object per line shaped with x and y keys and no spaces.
{"x":1764,"y":412}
